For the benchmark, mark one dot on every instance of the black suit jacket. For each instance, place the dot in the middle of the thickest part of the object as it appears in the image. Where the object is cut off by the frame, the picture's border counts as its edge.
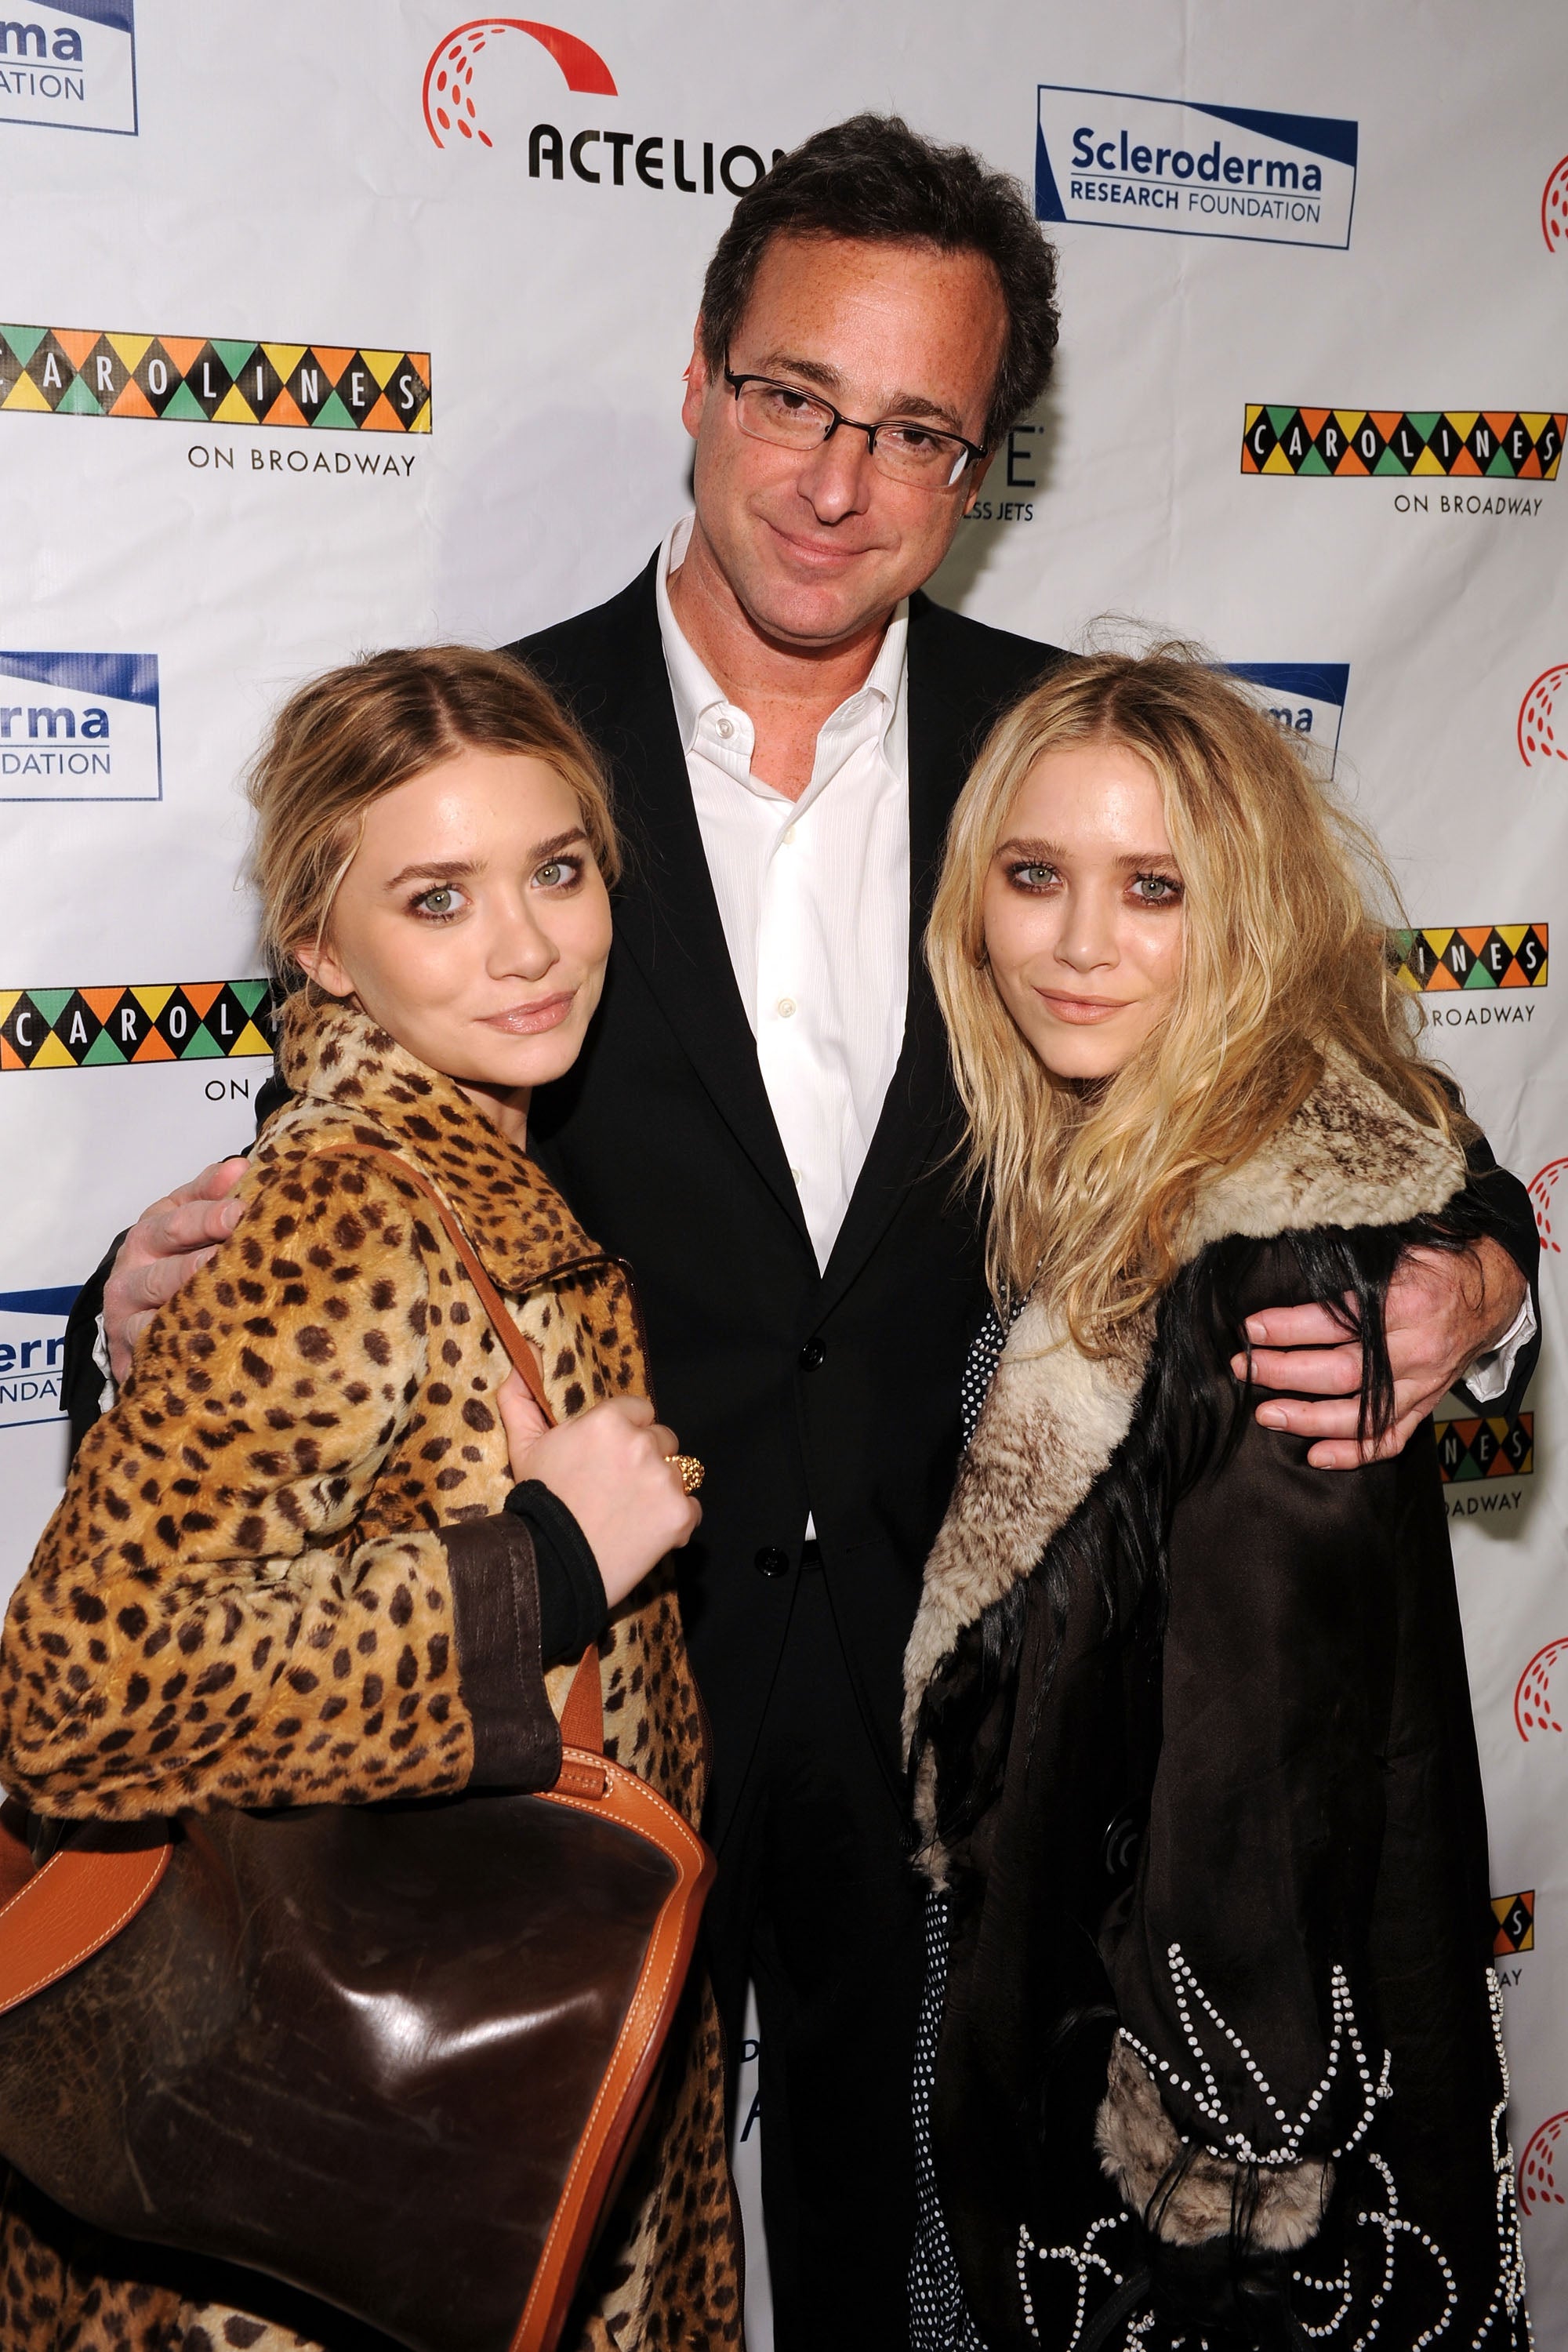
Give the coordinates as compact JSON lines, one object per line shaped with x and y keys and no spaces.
{"x":833,"y":1392}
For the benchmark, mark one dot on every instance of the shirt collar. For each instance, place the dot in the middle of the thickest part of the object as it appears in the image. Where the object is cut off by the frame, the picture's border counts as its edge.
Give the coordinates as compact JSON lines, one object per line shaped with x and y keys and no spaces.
{"x":695,"y":692}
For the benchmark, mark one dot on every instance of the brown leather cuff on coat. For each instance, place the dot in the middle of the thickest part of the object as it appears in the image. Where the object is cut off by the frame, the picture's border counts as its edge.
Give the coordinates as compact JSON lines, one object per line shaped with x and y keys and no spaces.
{"x":1142,"y":2151}
{"x":495,"y":1605}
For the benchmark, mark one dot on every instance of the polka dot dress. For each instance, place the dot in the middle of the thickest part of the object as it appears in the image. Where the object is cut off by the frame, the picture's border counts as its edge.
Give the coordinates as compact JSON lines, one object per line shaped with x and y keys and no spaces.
{"x":939,"y":2316}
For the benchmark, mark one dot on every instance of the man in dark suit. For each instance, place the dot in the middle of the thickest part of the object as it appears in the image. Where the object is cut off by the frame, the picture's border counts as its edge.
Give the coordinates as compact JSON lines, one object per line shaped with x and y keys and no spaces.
{"x":762,"y":1121}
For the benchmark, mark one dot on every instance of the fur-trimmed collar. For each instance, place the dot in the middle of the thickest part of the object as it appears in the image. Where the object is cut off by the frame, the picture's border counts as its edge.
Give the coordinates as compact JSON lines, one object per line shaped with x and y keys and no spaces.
{"x":1053,"y":1418}
{"x":353,"y":1082}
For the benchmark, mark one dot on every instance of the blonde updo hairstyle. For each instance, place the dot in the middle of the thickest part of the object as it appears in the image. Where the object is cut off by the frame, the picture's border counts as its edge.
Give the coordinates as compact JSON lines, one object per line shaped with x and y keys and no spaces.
{"x":1288,"y":904}
{"x":346,"y":738}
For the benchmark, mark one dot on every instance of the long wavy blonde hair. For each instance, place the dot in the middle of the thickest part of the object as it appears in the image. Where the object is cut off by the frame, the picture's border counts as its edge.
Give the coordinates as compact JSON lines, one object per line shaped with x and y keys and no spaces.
{"x":1286,"y":906}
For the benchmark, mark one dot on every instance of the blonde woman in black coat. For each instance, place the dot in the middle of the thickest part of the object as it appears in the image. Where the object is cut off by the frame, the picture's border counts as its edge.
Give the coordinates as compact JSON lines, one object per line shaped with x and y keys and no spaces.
{"x":1210,"y":2050}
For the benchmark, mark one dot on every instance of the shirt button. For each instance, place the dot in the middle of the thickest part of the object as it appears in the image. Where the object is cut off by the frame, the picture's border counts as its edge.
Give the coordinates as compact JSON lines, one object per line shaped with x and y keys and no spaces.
{"x":799,"y":1175}
{"x":815,"y":1352}
{"x":789,"y":839}
{"x":772,"y":1561}
{"x":784,"y":1008}
{"x":726,"y":729}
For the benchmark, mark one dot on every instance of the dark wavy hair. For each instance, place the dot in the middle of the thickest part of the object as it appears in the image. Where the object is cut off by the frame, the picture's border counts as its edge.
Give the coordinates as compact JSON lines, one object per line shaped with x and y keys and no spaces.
{"x":874,"y":178}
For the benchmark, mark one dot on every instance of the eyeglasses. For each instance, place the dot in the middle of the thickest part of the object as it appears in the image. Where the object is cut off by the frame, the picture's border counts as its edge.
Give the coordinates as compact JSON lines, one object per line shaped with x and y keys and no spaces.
{"x":766,"y":409}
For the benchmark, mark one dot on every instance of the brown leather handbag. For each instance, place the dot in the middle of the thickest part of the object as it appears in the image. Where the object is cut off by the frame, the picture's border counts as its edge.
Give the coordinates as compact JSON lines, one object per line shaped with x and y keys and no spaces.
{"x":397,"y":2055}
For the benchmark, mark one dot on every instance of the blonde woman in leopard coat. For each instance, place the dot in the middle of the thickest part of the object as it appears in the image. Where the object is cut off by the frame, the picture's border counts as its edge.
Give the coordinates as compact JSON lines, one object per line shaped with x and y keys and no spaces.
{"x":323,"y":1549}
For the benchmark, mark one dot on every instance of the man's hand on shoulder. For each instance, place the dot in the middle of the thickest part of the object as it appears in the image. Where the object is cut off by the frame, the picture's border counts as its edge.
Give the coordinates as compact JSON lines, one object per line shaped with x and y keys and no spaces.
{"x":162,"y":1250}
{"x":1444,"y":1309}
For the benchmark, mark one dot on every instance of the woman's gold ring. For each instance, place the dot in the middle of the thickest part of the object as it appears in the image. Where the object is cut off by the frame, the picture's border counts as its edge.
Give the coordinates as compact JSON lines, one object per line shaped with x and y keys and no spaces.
{"x":689,"y":1469}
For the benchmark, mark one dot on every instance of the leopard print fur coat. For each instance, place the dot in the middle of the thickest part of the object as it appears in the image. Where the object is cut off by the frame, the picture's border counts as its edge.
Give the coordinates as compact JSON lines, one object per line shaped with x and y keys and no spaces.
{"x":274,"y":1577}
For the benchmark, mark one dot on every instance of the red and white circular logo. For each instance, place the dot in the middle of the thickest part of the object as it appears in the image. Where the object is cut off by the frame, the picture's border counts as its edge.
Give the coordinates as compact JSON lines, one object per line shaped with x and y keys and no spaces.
{"x":1555,"y":208}
{"x":1538,"y":738}
{"x":1533,"y":1709}
{"x":1543,"y":1185}
{"x":449,"y":103}
{"x":1538,"y":2166}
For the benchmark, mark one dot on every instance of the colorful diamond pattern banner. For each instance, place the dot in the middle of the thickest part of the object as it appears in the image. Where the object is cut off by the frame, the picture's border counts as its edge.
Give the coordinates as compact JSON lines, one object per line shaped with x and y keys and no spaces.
{"x":1471,"y":955}
{"x":82,"y":1028}
{"x":1515,"y":1916}
{"x":1510,"y":445}
{"x":1498,"y":1447}
{"x":194,"y":380}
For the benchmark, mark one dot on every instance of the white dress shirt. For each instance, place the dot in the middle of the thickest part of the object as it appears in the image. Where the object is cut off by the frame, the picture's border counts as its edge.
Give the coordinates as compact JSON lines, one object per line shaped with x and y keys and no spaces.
{"x":814,"y":895}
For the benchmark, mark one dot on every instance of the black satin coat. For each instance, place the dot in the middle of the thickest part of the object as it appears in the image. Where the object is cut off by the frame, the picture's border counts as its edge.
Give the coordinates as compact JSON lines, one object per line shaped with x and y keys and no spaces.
{"x":1233,"y":1796}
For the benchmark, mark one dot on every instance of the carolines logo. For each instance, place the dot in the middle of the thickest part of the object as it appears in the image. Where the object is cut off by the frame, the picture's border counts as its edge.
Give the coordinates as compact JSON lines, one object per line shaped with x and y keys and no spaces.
{"x":1555,"y":208}
{"x":1537,"y":730}
{"x":79,"y":727}
{"x":1534,"y":1708}
{"x":90,"y":1028}
{"x":218,"y":380}
{"x":1119,"y":161}
{"x":464,"y":62}
{"x":1494,"y":1446}
{"x":72,"y":66}
{"x":32,"y":1344}
{"x":1543,"y":1185}
{"x":1303,"y":699}
{"x":1515,"y":1916}
{"x":1508,"y":444}
{"x":1471,"y":955}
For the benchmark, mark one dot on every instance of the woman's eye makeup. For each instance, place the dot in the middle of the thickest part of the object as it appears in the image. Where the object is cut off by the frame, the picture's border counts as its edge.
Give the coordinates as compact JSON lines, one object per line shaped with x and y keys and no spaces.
{"x":1147,"y":889}
{"x":562,"y":873}
{"x":1032,"y":873}
{"x":438,"y":904}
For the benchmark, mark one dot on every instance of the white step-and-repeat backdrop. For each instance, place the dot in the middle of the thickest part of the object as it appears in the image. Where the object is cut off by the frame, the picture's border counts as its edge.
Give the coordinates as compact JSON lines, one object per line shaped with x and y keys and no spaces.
{"x":344,"y":326}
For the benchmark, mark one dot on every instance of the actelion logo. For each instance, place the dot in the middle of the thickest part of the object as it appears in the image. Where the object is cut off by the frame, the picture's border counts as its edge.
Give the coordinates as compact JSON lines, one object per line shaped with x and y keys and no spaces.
{"x":598,"y":157}
{"x":1555,"y":208}
{"x":212,"y":380}
{"x":164,"y":1021}
{"x":1538,"y":2165}
{"x":1543,"y":1187}
{"x":1505,"y":444}
{"x":449,"y":102}
{"x":1537,"y":730}
{"x":1535,"y":1708}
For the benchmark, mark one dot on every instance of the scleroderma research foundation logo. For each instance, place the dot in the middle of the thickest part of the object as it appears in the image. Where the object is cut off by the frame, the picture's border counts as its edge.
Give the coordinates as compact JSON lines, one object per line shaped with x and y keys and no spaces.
{"x":212,"y":380}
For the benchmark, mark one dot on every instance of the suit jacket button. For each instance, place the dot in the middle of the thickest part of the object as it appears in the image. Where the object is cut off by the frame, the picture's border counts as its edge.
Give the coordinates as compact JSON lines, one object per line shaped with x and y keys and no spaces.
{"x":814,"y":1353}
{"x":772,"y":1561}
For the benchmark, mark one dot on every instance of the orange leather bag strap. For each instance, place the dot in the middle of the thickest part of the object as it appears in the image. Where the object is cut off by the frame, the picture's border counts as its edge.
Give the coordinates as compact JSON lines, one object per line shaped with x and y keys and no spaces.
{"x":495,"y":1306}
{"x":582,"y":1717}
{"x":63,"y":1914}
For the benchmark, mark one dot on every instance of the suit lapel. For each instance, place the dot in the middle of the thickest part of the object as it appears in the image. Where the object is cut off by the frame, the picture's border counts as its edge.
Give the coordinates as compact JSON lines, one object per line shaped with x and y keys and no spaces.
{"x":666,"y":917}
{"x":915,"y":1128}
